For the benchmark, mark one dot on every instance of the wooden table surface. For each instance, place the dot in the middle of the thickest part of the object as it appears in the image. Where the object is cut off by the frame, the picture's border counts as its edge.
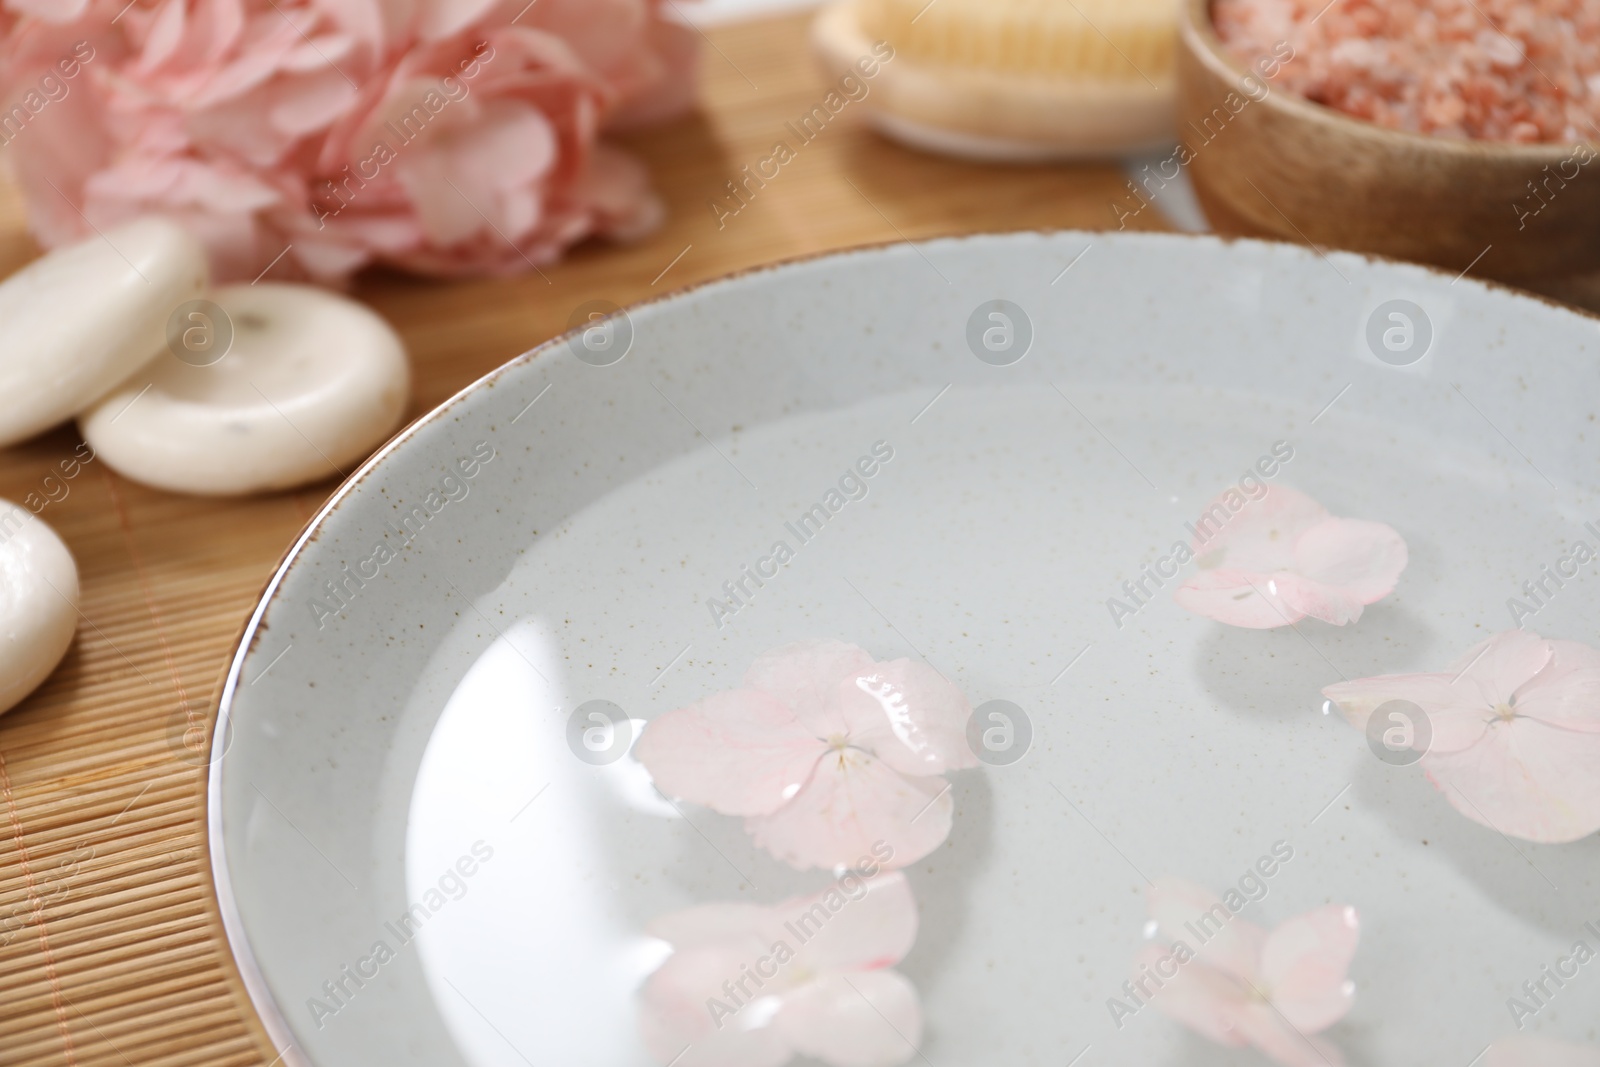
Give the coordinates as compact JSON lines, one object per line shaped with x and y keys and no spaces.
{"x":110,"y":948}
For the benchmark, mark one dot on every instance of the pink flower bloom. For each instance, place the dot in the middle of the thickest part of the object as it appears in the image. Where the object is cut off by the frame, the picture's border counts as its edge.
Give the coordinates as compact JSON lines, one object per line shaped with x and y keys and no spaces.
{"x":1515,"y":728}
{"x":1276,"y":559}
{"x":1238,"y":984}
{"x":440,"y":136}
{"x":824,"y":752}
{"x":1530,"y":1051}
{"x":751,"y":986}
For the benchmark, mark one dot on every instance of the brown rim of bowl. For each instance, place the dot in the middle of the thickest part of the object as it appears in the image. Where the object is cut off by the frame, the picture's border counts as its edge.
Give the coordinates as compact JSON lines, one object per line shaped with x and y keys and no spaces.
{"x":1197,"y":29}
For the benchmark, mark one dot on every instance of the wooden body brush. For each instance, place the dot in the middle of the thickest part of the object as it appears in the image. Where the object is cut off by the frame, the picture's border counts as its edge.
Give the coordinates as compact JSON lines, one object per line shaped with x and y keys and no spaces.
{"x":1013,"y":79}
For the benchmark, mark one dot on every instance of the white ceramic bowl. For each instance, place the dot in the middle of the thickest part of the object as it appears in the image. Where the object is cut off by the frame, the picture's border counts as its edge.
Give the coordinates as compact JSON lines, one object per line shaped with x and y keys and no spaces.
{"x":559,"y":527}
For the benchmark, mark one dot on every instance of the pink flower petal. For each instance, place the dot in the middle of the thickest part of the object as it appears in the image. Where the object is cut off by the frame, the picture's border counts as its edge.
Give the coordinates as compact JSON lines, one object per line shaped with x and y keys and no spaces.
{"x":442,"y":18}
{"x":798,"y":752}
{"x":1237,"y":598}
{"x":1566,"y":692}
{"x":860,"y":1020}
{"x":1231,"y":1013}
{"x":455,"y":180}
{"x":329,"y":260}
{"x":740,"y":753}
{"x":1500,"y":666}
{"x":910,"y":715}
{"x":234,"y":80}
{"x":1305,"y":963}
{"x":866,"y":925}
{"x":1236,"y":984}
{"x":1516,"y":733}
{"x":1205,"y":1000}
{"x":806,"y":677}
{"x":209,"y":31}
{"x":748,"y":984}
{"x":673,"y":1013}
{"x":1455,"y":719}
{"x":447,"y":216}
{"x":510,"y":146}
{"x":49,"y":10}
{"x":1275,"y":560}
{"x":1259,"y":534}
{"x":618,"y":190}
{"x":1525,"y":779}
{"x":1362,"y":559}
{"x":372,"y":22}
{"x":1268,"y":1031}
{"x":853,"y":802}
{"x":310,"y":104}
{"x":1192,"y":914}
{"x":165,"y":35}
{"x":678,"y":47}
{"x":1307,"y":597}
{"x":319,"y":54}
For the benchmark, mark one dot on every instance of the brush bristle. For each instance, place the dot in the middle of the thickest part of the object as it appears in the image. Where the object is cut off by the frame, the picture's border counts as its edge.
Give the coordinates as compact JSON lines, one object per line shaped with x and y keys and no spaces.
{"x":1112,"y":40}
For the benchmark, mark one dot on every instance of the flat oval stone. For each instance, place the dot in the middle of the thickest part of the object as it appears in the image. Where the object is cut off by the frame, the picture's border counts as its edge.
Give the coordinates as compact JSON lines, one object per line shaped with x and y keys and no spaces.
{"x":77,"y":321}
{"x":269,"y":387}
{"x":38,"y":602}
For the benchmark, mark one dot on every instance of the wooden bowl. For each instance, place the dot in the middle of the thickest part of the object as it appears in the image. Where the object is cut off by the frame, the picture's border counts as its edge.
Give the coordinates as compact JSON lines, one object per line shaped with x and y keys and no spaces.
{"x":1266,"y":162}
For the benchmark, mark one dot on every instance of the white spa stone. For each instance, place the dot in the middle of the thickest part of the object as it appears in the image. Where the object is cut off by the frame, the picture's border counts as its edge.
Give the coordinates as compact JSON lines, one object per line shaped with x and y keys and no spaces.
{"x":310,"y":385}
{"x":38,"y":602}
{"x":80,"y":319}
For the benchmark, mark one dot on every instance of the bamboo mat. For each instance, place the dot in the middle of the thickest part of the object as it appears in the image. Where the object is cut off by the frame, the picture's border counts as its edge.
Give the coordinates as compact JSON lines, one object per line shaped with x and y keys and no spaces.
{"x":110,"y":949}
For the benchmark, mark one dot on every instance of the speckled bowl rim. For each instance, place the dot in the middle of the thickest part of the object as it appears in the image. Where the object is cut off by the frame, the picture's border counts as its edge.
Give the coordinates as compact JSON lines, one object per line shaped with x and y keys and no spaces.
{"x":272,"y":1018}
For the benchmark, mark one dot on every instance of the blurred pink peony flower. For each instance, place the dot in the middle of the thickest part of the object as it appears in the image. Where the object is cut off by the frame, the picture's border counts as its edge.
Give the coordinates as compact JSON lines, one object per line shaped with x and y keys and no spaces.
{"x":1233,"y":982}
{"x":1515,"y":732}
{"x":752,"y":986}
{"x":438,"y":136}
{"x":824,"y":752}
{"x":1274,"y":560}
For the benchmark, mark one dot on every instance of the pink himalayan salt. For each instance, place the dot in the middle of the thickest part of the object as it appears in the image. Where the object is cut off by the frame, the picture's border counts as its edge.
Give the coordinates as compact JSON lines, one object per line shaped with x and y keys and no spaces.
{"x":1494,"y":70}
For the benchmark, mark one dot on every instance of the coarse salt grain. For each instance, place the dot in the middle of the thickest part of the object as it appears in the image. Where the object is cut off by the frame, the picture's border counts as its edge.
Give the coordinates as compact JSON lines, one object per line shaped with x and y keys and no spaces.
{"x":1493,"y":70}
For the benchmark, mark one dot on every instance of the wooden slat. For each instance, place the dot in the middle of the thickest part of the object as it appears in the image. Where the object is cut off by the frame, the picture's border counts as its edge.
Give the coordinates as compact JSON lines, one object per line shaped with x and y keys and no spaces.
{"x":122,"y":961}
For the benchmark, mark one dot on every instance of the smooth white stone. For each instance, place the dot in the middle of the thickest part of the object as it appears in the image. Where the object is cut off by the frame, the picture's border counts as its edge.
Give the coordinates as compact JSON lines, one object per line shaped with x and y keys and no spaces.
{"x":80,"y":319}
{"x":38,"y":602}
{"x":312,"y":383}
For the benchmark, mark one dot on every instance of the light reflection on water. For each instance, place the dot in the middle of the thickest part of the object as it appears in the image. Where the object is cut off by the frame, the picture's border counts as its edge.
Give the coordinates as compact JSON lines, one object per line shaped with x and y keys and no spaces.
{"x":529,"y":956}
